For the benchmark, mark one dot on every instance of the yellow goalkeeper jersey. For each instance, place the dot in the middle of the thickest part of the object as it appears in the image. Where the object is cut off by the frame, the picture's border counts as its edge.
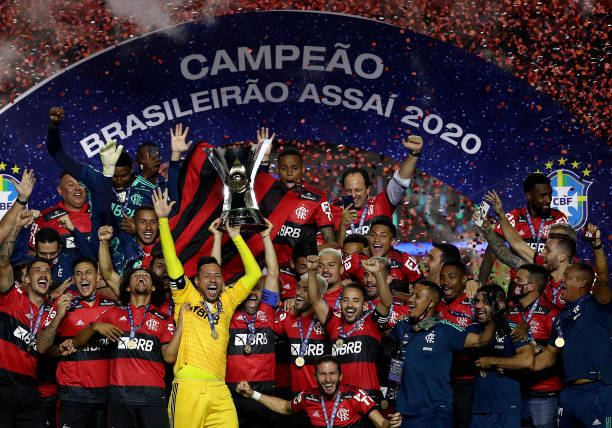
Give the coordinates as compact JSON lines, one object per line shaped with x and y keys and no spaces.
{"x":197,"y":347}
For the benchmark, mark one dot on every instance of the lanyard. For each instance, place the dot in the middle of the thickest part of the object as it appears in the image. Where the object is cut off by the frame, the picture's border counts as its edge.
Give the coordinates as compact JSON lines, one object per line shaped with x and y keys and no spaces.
{"x":356,"y":325}
{"x":133,"y":329}
{"x":330,"y":423}
{"x":529,"y":316}
{"x":532,"y":230}
{"x":555,"y":292}
{"x":75,"y":302}
{"x":305,"y":340}
{"x":213,"y":319}
{"x":361,"y":221}
{"x":337,"y":302}
{"x":250,"y":322}
{"x":171,"y":308}
{"x":35,"y":326}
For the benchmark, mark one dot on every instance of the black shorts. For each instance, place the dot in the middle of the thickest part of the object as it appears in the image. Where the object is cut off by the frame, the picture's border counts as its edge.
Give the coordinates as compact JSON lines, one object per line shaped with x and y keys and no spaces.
{"x":137,"y":416}
{"x":20,"y":407}
{"x":82,"y":415}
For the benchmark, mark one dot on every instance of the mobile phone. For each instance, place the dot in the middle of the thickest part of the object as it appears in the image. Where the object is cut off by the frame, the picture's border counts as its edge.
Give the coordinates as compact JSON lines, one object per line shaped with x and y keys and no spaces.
{"x":153,"y":151}
{"x":483,"y":209}
{"x":347,"y":200}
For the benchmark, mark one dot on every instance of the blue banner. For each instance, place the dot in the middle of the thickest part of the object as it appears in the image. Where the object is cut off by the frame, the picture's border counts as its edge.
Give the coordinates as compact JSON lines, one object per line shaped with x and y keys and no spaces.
{"x":323,"y":77}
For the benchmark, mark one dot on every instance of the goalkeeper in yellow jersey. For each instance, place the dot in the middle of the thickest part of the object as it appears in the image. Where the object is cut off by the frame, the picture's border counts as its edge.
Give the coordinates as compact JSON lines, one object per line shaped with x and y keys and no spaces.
{"x":199,"y":396}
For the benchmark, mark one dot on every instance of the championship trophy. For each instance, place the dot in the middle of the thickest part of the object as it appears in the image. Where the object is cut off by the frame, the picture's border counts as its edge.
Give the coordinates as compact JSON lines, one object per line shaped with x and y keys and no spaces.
{"x":238,"y":168}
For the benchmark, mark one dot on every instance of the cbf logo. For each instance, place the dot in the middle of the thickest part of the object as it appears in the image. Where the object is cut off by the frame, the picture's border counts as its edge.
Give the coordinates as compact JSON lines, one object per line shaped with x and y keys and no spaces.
{"x":570,"y":196}
{"x":8,"y":193}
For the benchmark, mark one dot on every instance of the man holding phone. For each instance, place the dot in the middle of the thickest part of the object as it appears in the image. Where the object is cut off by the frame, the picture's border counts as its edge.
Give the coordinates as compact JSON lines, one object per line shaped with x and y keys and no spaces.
{"x":356,"y":210}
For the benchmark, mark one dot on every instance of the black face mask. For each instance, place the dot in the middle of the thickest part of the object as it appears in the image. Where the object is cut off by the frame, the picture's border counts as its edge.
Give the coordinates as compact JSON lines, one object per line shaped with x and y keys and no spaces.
{"x":516,"y":290}
{"x":53,"y":261}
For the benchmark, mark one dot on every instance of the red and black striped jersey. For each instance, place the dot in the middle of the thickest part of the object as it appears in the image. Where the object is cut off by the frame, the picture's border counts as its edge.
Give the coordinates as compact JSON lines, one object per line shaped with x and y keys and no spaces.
{"x":83,"y":376}
{"x":286,"y":324}
{"x":137,"y":375}
{"x":358,"y":351}
{"x":540,"y":327}
{"x":259,"y":365}
{"x":333,"y":298}
{"x":309,"y":212}
{"x":404,"y":266}
{"x":354,"y":404}
{"x":460,"y":312}
{"x":352,"y":267}
{"x":50,"y":218}
{"x":376,"y":206}
{"x":18,"y":355}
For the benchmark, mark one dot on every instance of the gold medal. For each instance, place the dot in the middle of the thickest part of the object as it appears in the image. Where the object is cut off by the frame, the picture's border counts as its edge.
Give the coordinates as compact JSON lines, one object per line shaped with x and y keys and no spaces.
{"x":214,"y":334}
{"x":247,"y":349}
{"x":384,"y":404}
{"x":131,"y":344}
{"x":300,"y":361}
{"x":339,"y":343}
{"x":483,"y":373}
{"x":559,"y":342}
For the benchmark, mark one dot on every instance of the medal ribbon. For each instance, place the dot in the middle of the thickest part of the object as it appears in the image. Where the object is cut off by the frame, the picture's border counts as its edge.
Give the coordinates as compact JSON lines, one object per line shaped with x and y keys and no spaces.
{"x":356,"y":325}
{"x":250,"y":322}
{"x":529,"y":316}
{"x":361,"y":221}
{"x":35,"y":326}
{"x":133,"y":329}
{"x":532,"y":230}
{"x":171,"y":308}
{"x":75,"y":302}
{"x":305,"y":340}
{"x":213,"y":319}
{"x":330,"y":423}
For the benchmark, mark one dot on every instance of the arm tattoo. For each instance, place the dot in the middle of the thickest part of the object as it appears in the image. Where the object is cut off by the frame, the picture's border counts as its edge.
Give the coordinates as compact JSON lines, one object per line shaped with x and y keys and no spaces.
{"x":328,"y":234}
{"x":503,"y":253}
{"x":6,"y":249}
{"x":47,"y":336}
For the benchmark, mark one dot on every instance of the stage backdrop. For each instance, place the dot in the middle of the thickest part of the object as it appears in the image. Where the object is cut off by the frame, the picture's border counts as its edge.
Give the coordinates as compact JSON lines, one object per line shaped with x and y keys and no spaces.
{"x":318,"y":76}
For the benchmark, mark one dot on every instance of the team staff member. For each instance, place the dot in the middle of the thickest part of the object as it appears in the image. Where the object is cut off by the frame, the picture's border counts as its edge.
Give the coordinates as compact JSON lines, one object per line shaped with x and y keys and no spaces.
{"x":542,"y":388}
{"x":251,"y":350}
{"x":426,"y":344}
{"x":329,"y":404}
{"x":357,"y":216}
{"x":355,"y":335}
{"x":143,"y":341}
{"x":581,"y":337}
{"x":82,"y":377}
{"x":497,"y":394}
{"x":200,"y":396}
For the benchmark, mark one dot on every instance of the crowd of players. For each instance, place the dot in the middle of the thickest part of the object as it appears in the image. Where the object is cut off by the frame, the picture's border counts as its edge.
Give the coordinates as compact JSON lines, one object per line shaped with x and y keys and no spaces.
{"x":101,"y":326}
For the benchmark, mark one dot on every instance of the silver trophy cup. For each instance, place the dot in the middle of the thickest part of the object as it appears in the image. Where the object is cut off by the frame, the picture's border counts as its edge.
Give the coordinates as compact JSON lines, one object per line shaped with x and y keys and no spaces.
{"x":238,"y":169}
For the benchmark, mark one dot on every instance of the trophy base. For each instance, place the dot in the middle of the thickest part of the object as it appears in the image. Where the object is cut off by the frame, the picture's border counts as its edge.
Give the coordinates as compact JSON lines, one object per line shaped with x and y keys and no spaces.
{"x":249,"y":219}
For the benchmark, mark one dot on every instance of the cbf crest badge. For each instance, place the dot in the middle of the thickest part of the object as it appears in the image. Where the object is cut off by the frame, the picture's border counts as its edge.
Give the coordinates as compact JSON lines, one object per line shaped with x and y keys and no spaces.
{"x":570,"y":196}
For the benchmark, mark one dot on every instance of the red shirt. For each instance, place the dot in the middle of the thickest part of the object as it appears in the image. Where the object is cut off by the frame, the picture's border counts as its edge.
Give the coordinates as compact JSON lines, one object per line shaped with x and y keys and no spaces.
{"x":286,"y":324}
{"x":353,"y":405}
{"x":404,"y":266}
{"x":307,"y":214}
{"x":359,"y":351}
{"x":540,"y":327}
{"x":50,"y":218}
{"x":259,"y":366}
{"x":333,"y":298}
{"x":288,"y":282}
{"x":18,"y":362}
{"x":83,"y":376}
{"x":460,"y":312}
{"x":399,"y":309}
{"x":137,"y":375}
{"x":377,"y":206}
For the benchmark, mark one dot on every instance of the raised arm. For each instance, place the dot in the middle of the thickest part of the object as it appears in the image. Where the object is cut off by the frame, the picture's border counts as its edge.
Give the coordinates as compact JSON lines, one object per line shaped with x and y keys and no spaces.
{"x":112,"y":278}
{"x":396,"y":188}
{"x":376,"y":268}
{"x":277,"y":405}
{"x":513,"y":238}
{"x":252,"y":272}
{"x":497,"y":245}
{"x":6,"y":250}
{"x":272,"y":279}
{"x":162,"y":209}
{"x":601,"y":289}
{"x":314,"y":292}
{"x":217,"y":238}
{"x":55,"y":148}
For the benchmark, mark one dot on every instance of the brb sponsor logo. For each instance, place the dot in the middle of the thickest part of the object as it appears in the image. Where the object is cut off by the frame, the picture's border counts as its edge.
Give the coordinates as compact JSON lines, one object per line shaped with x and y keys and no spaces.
{"x":8,"y":193}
